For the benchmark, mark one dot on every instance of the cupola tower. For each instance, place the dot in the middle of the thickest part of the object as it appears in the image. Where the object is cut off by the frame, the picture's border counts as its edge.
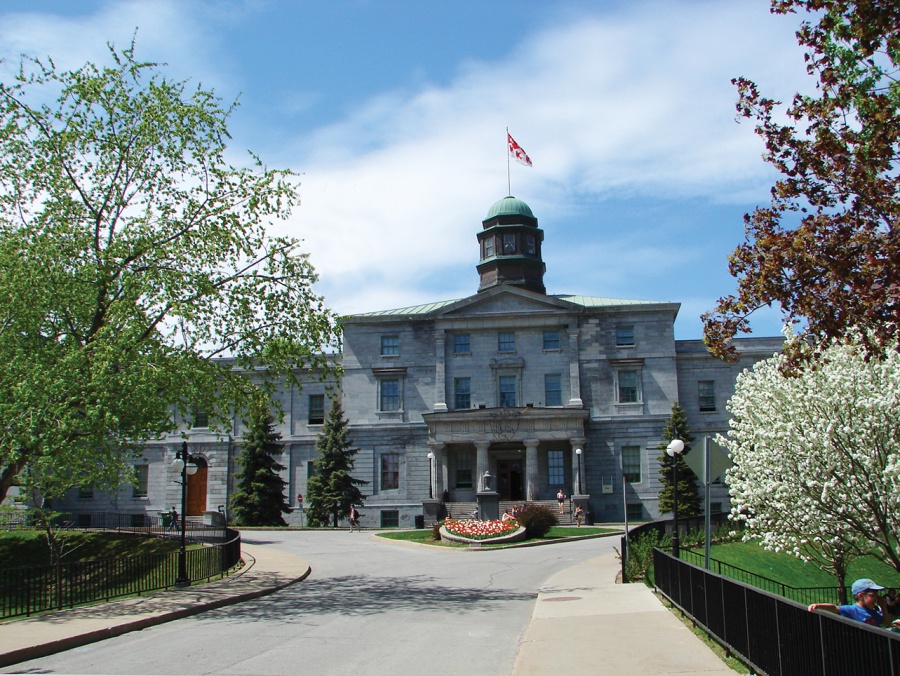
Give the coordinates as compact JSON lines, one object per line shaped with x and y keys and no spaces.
{"x":510,"y":246}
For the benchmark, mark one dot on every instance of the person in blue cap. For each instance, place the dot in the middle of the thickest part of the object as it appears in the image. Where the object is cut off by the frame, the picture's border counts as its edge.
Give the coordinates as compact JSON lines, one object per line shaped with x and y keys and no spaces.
{"x":869,"y":607}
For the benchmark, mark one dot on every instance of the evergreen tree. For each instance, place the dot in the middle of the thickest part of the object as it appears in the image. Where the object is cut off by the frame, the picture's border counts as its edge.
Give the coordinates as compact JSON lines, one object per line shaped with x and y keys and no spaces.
{"x":259,"y":499}
{"x":332,"y":491}
{"x":688,"y":495}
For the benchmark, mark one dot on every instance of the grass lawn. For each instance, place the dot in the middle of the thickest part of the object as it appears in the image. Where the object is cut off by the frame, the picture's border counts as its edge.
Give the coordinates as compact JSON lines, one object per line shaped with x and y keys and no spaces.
{"x":794,"y":572}
{"x":424,"y":535}
{"x":19,"y":549}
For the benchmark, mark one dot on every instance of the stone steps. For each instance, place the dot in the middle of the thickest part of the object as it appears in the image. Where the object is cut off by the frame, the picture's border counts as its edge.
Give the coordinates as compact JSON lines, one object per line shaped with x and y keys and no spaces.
{"x":460,"y":511}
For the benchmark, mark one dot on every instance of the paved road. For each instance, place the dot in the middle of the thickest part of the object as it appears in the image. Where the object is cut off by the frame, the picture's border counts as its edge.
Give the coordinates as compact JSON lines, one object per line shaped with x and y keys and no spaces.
{"x":369,"y":607}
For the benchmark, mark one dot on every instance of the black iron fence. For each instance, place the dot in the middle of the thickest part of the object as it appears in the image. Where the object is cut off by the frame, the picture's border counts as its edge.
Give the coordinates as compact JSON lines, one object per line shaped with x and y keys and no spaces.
{"x":774,"y":635}
{"x":24,"y":591}
{"x":666,"y":527}
{"x":804,"y":595}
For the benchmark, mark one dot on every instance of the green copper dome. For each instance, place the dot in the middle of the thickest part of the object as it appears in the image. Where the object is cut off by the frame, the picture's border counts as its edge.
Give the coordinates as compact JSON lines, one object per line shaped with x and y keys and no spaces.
{"x":509,"y":206}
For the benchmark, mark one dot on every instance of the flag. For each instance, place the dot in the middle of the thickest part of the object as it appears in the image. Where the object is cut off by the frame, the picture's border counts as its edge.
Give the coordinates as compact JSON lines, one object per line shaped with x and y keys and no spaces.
{"x":516,"y":152}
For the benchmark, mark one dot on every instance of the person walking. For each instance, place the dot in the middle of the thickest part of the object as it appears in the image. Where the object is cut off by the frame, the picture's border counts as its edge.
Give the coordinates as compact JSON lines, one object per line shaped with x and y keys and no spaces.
{"x":561,"y":499}
{"x":579,"y":515}
{"x":354,"y":519}
{"x":173,"y":520}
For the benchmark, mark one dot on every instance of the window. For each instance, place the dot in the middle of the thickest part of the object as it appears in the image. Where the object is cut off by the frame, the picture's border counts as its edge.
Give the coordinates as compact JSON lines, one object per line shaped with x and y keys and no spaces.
{"x":316,"y":409}
{"x":390,"y":395}
{"x":507,"y":390}
{"x":201,"y":418}
{"x":462,"y":393}
{"x":464,"y":469}
{"x":624,"y":336}
{"x":390,"y":345}
{"x":635,"y":511}
{"x":141,"y":474}
{"x":488,"y":247}
{"x":715,"y":507}
{"x":390,"y":518}
{"x":551,"y":340}
{"x":628,"y":387}
{"x":530,"y":245}
{"x":85,"y":492}
{"x":506,"y":342}
{"x":311,"y":470}
{"x":556,"y":473}
{"x":390,"y":471}
{"x":509,"y":244}
{"x":461,"y":343}
{"x":631,"y":463}
{"x":552,"y":389}
{"x":707,"y":391}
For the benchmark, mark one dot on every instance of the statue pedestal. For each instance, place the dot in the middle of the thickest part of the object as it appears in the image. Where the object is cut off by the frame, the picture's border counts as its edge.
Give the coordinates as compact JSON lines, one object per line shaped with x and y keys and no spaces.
{"x":431,"y":509}
{"x":488,"y":505}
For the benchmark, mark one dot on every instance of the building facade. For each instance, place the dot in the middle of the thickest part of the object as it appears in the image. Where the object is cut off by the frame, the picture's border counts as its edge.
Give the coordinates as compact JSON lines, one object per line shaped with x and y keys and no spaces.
{"x":511,"y":393}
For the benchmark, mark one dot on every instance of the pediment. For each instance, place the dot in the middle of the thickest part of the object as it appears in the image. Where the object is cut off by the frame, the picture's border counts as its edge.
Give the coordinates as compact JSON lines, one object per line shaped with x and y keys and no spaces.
{"x":508,"y":301}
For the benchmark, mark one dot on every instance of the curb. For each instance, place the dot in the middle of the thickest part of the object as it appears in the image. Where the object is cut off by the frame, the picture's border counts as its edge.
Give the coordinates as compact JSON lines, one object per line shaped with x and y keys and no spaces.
{"x":43,"y":650}
{"x":539,"y":543}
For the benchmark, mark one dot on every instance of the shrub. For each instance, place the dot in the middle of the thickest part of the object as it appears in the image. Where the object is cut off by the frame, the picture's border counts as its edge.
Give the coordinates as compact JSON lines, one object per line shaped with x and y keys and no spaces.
{"x":536,"y":519}
{"x":436,"y":531}
{"x":641,"y":554}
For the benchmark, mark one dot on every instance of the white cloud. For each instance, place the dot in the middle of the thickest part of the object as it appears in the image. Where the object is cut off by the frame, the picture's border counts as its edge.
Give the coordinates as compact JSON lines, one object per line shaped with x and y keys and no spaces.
{"x":638,"y":104}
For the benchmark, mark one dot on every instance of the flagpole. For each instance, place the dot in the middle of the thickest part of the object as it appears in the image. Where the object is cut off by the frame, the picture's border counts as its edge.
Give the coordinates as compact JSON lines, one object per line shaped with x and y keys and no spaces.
{"x":508,"y":184}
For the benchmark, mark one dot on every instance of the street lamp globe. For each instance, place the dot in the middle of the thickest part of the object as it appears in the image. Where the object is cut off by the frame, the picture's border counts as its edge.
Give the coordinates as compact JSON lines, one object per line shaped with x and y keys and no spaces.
{"x":675,"y":447}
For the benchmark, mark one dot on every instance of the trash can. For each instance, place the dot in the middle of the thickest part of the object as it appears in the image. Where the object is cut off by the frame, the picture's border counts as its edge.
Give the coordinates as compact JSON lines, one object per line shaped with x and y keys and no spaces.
{"x":420,"y":521}
{"x":588,"y":518}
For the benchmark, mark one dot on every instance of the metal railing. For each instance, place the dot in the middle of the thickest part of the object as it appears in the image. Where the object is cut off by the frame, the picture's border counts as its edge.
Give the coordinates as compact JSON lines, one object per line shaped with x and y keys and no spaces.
{"x":24,"y":591}
{"x":804,"y":595}
{"x":772,"y":634}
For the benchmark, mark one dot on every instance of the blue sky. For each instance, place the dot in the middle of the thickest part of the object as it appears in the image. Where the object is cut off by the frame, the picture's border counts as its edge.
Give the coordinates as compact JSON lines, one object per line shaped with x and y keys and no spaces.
{"x":394,"y":113}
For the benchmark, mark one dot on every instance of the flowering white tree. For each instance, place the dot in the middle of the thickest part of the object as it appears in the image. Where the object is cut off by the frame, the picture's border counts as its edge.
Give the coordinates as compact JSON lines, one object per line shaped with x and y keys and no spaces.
{"x":816,"y":456}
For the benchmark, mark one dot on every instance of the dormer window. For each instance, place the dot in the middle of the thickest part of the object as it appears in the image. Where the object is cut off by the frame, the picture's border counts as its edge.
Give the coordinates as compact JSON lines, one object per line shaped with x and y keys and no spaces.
{"x":488,"y":247}
{"x":509,"y":244}
{"x":530,"y":245}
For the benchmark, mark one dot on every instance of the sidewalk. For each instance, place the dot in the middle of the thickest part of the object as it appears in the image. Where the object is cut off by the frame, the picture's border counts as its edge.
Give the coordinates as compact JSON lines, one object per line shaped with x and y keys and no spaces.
{"x":267,"y":571}
{"x":585,"y":623}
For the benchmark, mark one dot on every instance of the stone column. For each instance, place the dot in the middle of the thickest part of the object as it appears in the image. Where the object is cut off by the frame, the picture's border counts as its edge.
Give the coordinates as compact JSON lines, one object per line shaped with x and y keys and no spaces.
{"x":440,"y":378}
{"x":481,"y":463}
{"x":577,"y":472}
{"x":531,"y":470}
{"x":439,"y":449}
{"x":574,"y":374}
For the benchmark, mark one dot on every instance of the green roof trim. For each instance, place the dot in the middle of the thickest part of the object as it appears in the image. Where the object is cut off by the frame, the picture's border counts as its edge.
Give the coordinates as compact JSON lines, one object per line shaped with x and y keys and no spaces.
{"x":428,"y":308}
{"x":425,"y":309}
{"x":509,"y":206}
{"x":594,"y":301}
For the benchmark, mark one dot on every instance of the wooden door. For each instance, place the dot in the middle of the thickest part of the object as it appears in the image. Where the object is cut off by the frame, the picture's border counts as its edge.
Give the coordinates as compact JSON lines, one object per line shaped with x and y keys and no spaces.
{"x":196,"y":493}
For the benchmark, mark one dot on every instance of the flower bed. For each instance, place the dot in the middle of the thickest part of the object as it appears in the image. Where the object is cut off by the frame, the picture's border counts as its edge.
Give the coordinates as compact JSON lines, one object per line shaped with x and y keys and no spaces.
{"x":481,"y":530}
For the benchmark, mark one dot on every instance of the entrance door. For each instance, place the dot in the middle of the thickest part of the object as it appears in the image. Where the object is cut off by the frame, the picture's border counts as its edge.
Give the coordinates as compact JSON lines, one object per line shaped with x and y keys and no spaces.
{"x":196,"y":490}
{"x":509,"y":480}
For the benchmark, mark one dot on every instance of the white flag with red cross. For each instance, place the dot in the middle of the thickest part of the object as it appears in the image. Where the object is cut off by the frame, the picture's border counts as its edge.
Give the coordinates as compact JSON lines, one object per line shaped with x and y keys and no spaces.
{"x":516,"y":152}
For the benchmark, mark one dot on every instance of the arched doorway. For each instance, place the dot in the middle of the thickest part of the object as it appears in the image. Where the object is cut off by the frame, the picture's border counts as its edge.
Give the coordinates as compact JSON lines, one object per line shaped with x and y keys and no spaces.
{"x":196,"y":489}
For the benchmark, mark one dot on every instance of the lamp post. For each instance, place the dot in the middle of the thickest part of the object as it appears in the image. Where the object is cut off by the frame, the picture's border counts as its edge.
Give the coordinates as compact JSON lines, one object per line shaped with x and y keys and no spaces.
{"x":431,"y":475}
{"x":579,"y":490}
{"x":675,"y":447}
{"x":183,"y":464}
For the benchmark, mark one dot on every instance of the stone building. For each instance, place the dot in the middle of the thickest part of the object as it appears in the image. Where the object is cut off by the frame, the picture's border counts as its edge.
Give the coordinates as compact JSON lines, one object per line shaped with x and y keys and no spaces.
{"x":510,"y":392}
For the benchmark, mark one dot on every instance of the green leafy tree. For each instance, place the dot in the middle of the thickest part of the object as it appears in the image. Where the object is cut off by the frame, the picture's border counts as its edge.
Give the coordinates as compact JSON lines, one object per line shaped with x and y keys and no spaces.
{"x":259,"y":499}
{"x":688,"y":495}
{"x":332,"y":491}
{"x":826,"y":249}
{"x":132,"y":257}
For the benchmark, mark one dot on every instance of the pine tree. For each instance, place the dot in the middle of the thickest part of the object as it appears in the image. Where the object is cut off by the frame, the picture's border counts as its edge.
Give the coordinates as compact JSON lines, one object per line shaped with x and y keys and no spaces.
{"x":688,"y":495}
{"x":332,"y":491}
{"x":259,"y":499}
